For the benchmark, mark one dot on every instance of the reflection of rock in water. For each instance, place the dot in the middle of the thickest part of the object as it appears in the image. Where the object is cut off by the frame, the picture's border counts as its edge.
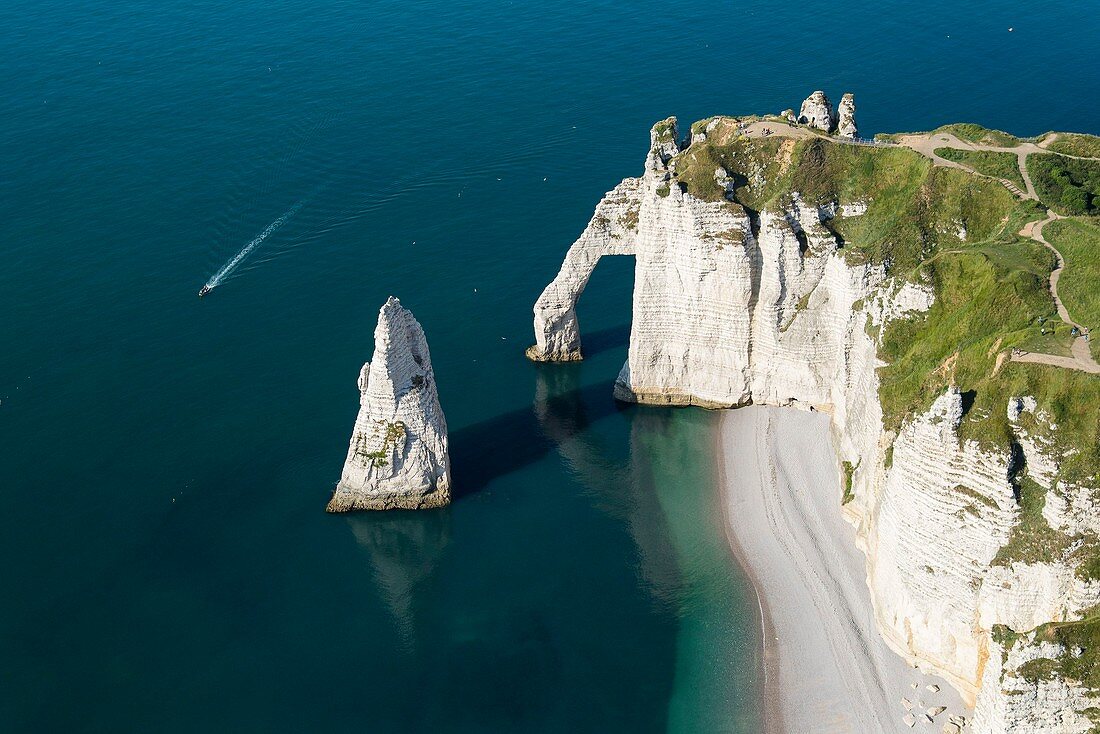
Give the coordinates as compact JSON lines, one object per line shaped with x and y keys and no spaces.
{"x":622,"y":489}
{"x":403,"y":549}
{"x":651,"y":433}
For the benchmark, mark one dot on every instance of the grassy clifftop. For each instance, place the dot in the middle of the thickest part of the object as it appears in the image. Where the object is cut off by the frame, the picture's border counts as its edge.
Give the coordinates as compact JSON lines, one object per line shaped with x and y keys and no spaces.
{"x":940,"y":227}
{"x":1079,"y":286}
{"x":913,"y":207}
{"x":957,"y":233}
{"x":991,"y":163}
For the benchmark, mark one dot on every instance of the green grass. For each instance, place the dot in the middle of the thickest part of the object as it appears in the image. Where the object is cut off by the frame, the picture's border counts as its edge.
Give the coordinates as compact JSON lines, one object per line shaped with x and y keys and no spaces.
{"x":979,"y":135}
{"x":992,"y":290}
{"x":1032,"y":539}
{"x":1057,"y":340}
{"x":914,"y":207}
{"x":665,"y":130}
{"x":1039,"y":669}
{"x":982,"y":293}
{"x":1087,"y":146}
{"x":1079,"y":285}
{"x":1066,"y":185}
{"x":740,"y":157}
{"x":849,"y":470}
{"x":991,"y":286}
{"x":1027,"y":210}
{"x":990,"y":163}
{"x":1080,"y":660}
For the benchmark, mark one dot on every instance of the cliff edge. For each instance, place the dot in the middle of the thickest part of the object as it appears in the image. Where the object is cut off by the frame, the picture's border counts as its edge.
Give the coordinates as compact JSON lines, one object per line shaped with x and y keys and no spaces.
{"x":865,"y":281}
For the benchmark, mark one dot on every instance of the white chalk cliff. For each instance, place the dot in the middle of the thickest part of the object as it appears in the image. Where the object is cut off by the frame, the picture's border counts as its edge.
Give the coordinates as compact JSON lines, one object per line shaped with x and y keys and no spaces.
{"x":732,"y":307}
{"x":398,"y":456}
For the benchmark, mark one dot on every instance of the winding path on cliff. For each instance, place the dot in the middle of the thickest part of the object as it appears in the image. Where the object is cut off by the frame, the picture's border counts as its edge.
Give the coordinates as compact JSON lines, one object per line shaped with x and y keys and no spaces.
{"x":1081,"y":358}
{"x":926,"y":144}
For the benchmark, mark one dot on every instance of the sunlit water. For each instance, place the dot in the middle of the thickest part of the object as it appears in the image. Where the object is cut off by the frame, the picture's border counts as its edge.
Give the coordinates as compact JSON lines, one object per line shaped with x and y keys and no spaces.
{"x":165,"y":461}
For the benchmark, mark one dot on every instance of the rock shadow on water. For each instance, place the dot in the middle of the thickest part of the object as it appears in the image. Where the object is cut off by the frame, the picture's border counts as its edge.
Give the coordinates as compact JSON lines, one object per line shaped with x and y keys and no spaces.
{"x":605,"y":340}
{"x":620,"y":485}
{"x":498,"y":446}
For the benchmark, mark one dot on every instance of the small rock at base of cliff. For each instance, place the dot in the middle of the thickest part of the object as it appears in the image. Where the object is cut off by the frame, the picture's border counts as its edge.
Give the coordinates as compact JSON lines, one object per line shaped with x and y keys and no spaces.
{"x":398,"y":456}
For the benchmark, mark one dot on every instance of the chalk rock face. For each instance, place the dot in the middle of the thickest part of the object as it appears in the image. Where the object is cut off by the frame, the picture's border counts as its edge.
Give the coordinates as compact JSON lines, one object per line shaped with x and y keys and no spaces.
{"x":664,"y":144}
{"x":732,"y":307}
{"x":749,"y":287}
{"x":1012,"y":702}
{"x":817,"y":111}
{"x":610,"y":232}
{"x":846,"y":117}
{"x":945,"y":510}
{"x":398,"y":455}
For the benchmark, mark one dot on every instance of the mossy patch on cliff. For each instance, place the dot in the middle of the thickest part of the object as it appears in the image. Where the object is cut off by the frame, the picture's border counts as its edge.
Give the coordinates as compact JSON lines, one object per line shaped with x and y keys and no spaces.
{"x":1080,"y":659}
{"x":665,"y":130}
{"x":1032,"y":539}
{"x":1076,"y":660}
{"x":849,"y":472}
{"x":390,"y":432}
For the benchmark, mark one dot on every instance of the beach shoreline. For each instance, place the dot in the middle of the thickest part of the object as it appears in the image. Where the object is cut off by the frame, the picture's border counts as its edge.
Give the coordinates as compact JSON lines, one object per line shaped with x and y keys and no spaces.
{"x":771,"y":721}
{"x":826,"y":667}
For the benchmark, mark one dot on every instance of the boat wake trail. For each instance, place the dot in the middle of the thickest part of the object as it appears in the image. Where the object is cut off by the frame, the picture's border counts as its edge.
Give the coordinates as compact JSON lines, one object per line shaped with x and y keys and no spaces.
{"x":226,"y":270}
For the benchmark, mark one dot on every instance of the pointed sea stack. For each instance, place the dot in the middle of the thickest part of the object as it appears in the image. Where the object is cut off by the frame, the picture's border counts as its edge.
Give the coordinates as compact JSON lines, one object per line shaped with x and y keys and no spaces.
{"x":398,"y":456}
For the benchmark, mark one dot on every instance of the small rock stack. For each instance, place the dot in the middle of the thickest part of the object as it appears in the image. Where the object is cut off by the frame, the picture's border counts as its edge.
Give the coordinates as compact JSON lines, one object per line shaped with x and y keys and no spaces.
{"x":846,"y":117}
{"x":817,"y":111}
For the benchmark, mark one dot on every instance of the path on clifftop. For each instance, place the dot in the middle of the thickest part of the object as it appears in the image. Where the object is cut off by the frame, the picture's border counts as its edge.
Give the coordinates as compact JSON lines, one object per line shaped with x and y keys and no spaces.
{"x":1082,"y":358}
{"x":926,"y":144}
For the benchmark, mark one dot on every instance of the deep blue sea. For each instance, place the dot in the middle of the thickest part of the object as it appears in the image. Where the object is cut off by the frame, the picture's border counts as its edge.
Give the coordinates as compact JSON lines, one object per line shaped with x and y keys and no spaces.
{"x":165,"y":561}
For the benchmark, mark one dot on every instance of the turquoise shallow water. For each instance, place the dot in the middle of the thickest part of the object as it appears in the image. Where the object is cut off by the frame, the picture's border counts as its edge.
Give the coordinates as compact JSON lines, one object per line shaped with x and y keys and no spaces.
{"x":164,"y":462}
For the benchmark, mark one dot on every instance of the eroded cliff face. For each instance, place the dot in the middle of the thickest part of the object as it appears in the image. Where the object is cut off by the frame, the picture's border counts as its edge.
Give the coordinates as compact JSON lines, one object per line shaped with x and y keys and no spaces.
{"x":944,"y":509}
{"x":734,"y":306}
{"x":398,"y":457}
{"x":1021,"y":694}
